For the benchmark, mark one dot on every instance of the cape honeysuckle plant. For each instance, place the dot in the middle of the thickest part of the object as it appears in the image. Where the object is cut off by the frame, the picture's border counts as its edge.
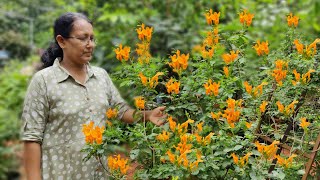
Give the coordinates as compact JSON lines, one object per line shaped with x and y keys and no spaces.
{"x":217,"y":113}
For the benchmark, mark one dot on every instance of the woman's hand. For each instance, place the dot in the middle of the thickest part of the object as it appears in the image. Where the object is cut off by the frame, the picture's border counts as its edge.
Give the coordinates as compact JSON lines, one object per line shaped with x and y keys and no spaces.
{"x":157,"y":116}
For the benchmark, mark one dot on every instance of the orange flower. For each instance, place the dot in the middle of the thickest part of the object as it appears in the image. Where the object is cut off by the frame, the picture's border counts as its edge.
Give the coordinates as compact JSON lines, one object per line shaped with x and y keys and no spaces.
{"x":216,"y":116}
{"x":269,"y":151}
{"x":299,"y":46}
{"x":199,"y":127}
{"x":231,"y":114}
{"x":243,"y":160}
{"x":164,"y":136}
{"x":226,"y":71}
{"x":263,"y":106}
{"x":248,"y":124}
{"x":246,"y":18}
{"x":248,"y":87}
{"x":143,"y":78}
{"x":280,"y":106}
{"x":212,"y":17}
{"x":111,"y":113}
{"x":309,"y":51}
{"x":143,"y":52}
{"x":122,"y":53}
{"x":235,"y":158}
{"x":118,"y":164}
{"x":259,"y":89}
{"x":304,"y":124}
{"x":144,"y":33}
{"x":179,"y":61}
{"x":212,"y":88}
{"x":229,"y":58}
{"x":292,"y":20}
{"x":261,"y":48}
{"x":306,"y":77}
{"x":172,"y":124}
{"x":207,"y":51}
{"x":278,"y":73}
{"x":173,"y":87}
{"x":92,"y":134}
{"x":286,"y":163}
{"x":139,"y":102}
{"x":171,"y":156}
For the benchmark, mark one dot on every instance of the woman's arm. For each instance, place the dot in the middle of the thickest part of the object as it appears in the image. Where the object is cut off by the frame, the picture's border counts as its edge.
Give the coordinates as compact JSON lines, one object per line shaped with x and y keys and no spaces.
{"x":155,"y":116}
{"x":32,"y":159}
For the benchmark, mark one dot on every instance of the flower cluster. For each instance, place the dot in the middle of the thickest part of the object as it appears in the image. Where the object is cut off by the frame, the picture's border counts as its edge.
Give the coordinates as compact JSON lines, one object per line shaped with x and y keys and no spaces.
{"x":118,"y":165}
{"x":92,"y":134}
{"x":257,"y":91}
{"x":292,"y":20}
{"x":309,"y":51}
{"x":246,"y":17}
{"x":304,"y":123}
{"x":164,"y":136}
{"x":143,"y":48}
{"x":305,"y":77}
{"x":267,"y":151}
{"x":179,"y":61}
{"x":139,"y":102}
{"x":242,"y":161}
{"x":122,"y":53}
{"x":152,"y":82}
{"x":212,"y":17}
{"x":261,"y":48}
{"x":232,"y":114}
{"x":279,"y":73}
{"x":212,"y":88}
{"x":288,"y":109}
{"x":173,"y":86}
{"x":286,"y":163}
{"x":229,"y":58}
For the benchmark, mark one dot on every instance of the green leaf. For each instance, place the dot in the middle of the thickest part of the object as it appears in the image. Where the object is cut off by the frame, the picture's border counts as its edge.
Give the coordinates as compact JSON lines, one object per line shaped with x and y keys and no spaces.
{"x":237,"y":147}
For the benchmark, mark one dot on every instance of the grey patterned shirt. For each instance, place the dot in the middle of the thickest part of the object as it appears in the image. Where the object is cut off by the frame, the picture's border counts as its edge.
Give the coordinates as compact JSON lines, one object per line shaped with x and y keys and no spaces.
{"x":55,"y":108}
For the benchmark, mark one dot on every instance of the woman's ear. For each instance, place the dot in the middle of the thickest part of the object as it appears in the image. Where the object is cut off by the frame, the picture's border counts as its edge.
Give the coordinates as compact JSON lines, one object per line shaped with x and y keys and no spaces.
{"x":61,"y":41}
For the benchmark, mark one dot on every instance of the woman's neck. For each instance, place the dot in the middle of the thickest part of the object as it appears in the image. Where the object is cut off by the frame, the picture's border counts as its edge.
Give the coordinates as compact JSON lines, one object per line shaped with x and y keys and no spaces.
{"x":77,"y":71}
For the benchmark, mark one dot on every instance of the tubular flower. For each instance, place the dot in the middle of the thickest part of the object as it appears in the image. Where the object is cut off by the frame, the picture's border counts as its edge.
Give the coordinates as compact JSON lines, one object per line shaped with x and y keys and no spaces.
{"x":263,"y":106}
{"x":153,"y":82}
{"x":267,"y":151}
{"x":231,"y":114}
{"x":286,"y":163}
{"x":118,"y":164}
{"x":92,"y":134}
{"x":306,"y":77}
{"x":111,"y":113}
{"x":212,"y":17}
{"x":172,"y":124}
{"x":216,"y":116}
{"x":179,"y":61}
{"x":194,"y":165}
{"x":122,"y":53}
{"x":139,"y":102}
{"x":246,"y":18}
{"x":297,"y":77}
{"x":259,"y":89}
{"x":309,"y":51}
{"x":143,"y":78}
{"x":209,"y":39}
{"x":248,"y":87}
{"x":261,"y":48}
{"x":243,"y":160}
{"x":226,"y":71}
{"x":182,"y":128}
{"x":199,"y":127}
{"x":164,"y":136}
{"x":278,"y":73}
{"x":229,"y":58}
{"x":144,"y":33}
{"x":143,"y":52}
{"x":173,"y":87}
{"x":171,"y":156}
{"x":248,"y":125}
{"x":207,"y":51}
{"x":304,"y":124}
{"x":288,"y":109}
{"x":292,"y":20}
{"x":212,"y":88}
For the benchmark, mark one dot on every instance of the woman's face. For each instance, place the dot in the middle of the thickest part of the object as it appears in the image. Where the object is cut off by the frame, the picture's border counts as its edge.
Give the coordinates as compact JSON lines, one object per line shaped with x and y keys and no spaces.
{"x":80,"y":43}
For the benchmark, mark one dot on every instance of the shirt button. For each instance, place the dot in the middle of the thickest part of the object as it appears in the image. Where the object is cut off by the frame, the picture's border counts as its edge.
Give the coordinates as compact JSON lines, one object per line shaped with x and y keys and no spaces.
{"x":88,"y":98}
{"x":90,"y":110}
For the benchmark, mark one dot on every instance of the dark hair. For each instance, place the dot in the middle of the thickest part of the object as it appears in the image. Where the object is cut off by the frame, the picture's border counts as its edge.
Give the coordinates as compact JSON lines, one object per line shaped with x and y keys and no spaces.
{"x":62,"y":26}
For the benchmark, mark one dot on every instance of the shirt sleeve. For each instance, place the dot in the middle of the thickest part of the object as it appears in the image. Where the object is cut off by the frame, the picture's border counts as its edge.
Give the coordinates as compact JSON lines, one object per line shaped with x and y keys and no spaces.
{"x":115,"y":99}
{"x":35,"y":110}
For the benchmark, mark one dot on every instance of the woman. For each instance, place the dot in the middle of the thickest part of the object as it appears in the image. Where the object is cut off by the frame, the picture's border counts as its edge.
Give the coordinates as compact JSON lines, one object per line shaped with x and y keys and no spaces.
{"x":67,"y":93}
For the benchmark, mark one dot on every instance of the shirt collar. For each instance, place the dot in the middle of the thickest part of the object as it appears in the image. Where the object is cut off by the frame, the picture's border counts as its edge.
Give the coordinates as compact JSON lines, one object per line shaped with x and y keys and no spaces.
{"x":63,"y":74}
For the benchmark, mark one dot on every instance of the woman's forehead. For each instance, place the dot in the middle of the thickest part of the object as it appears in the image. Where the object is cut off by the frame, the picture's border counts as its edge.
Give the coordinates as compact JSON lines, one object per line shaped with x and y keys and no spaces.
{"x":81,"y":26}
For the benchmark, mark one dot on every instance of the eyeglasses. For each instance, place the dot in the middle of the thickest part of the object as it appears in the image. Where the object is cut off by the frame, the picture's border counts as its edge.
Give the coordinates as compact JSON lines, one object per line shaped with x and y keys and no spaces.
{"x":85,"y":40}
